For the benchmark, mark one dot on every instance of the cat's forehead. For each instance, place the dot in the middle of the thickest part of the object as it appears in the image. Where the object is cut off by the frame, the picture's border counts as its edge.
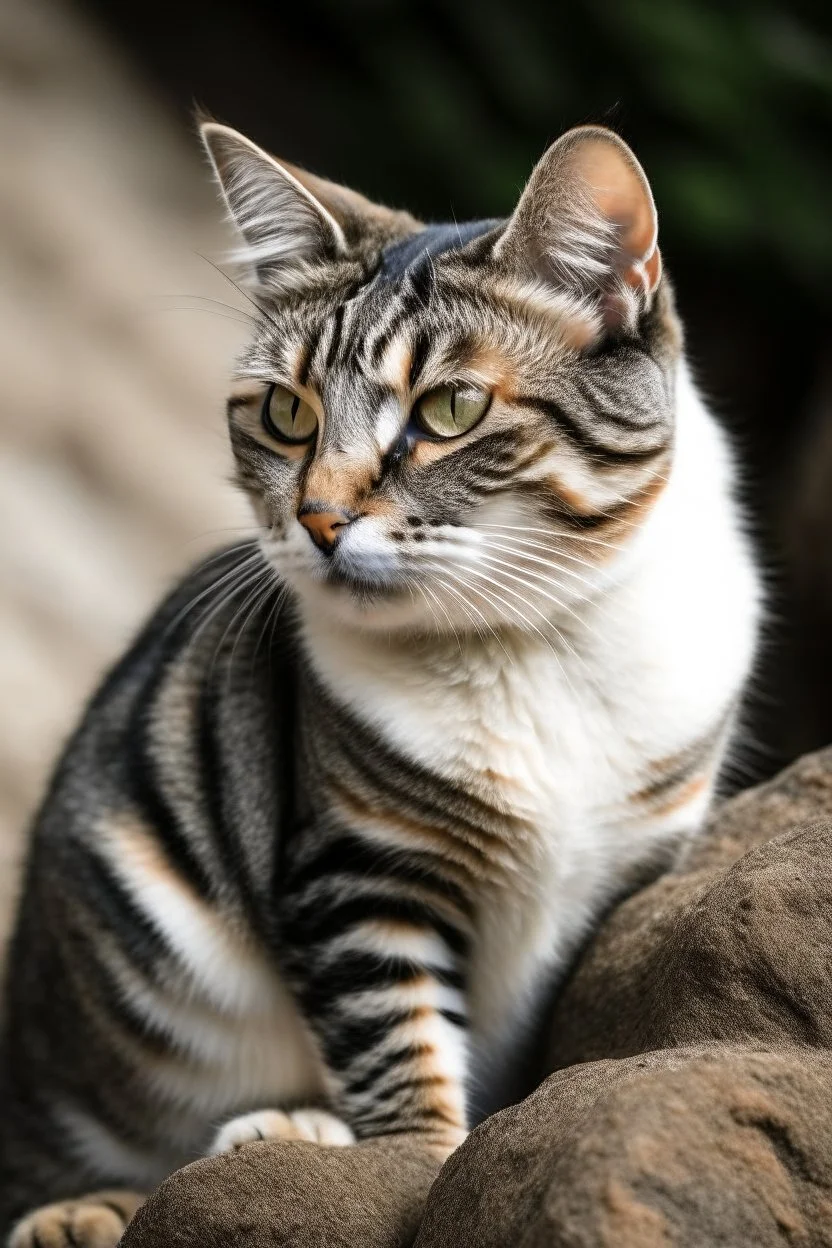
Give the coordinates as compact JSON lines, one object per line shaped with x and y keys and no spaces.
{"x":348,"y":332}
{"x":423,"y":307}
{"x":406,"y":258}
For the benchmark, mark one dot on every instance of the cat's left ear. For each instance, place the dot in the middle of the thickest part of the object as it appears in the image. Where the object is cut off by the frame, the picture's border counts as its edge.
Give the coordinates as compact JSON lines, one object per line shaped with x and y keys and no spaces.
{"x":289,"y":219}
{"x":587,"y":222}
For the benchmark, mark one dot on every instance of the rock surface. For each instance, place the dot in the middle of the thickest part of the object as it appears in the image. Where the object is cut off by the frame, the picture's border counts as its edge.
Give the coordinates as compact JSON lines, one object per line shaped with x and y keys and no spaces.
{"x":293,"y":1194}
{"x":734,"y":945}
{"x":690,"y":1148}
{"x":691,"y":1102}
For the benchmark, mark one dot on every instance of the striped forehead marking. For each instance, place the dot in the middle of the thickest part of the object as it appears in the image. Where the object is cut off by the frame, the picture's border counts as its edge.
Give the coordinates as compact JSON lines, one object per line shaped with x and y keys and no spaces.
{"x":408,"y":256}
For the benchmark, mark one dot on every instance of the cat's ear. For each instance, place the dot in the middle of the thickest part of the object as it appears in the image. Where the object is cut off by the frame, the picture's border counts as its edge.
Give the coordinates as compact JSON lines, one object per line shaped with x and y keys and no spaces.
{"x":284,"y":226}
{"x":290,"y":219}
{"x":587,"y":222}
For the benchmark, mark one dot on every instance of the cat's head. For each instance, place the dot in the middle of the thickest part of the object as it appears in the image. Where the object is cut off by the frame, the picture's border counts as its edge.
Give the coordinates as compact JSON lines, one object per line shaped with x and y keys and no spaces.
{"x":453,"y":427}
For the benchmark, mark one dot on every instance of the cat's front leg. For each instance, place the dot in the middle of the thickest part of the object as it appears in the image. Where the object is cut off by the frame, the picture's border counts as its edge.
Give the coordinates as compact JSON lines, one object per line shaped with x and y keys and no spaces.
{"x":385,"y":998}
{"x":377,"y":935}
{"x":393,"y":1034}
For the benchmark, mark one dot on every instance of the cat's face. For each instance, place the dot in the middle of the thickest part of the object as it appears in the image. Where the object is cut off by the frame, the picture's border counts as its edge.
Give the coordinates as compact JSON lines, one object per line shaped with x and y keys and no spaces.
{"x":445,"y":428}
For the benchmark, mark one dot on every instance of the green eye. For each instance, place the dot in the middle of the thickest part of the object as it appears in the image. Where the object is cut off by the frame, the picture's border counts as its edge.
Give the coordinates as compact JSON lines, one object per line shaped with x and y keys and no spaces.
{"x":287,"y":417}
{"x":449,"y":411}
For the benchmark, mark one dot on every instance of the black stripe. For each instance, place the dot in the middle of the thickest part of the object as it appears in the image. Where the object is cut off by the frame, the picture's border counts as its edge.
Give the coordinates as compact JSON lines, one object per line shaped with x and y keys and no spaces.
{"x":411,"y":1083}
{"x":380,"y":1068}
{"x":354,"y":971}
{"x":102,"y":985}
{"x":353,"y":1037}
{"x":418,"y":792}
{"x":310,"y":348}
{"x":420,"y":283}
{"x":107,"y":897}
{"x":419,"y":357}
{"x":157,"y":813}
{"x":216,"y":788}
{"x":380,"y":1119}
{"x":314,"y":922}
{"x":382,"y":342}
{"x":584,"y":440}
{"x":145,"y":789}
{"x":335,"y":340}
{"x":453,"y":1017}
{"x":351,"y":855}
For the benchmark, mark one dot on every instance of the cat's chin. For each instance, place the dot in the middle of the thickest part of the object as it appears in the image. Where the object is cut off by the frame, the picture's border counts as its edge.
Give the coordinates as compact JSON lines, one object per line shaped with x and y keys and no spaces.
{"x":364,"y":605}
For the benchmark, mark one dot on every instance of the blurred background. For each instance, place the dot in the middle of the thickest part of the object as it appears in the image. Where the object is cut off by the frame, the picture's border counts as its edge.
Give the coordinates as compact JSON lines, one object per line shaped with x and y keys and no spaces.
{"x":116,"y":333}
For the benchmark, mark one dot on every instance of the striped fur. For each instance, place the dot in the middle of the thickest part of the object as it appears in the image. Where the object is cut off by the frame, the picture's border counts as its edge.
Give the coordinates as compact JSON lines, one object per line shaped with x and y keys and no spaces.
{"x":331,"y":827}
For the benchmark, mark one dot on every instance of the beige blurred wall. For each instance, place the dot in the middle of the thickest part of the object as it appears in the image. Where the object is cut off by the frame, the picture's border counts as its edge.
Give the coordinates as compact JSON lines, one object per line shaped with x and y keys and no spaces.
{"x":113,"y":453}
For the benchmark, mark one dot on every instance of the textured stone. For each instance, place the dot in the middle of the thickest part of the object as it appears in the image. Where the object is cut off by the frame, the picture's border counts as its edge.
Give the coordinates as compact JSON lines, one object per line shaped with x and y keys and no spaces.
{"x":303,"y":1195}
{"x":732,"y":946}
{"x":689,"y":1148}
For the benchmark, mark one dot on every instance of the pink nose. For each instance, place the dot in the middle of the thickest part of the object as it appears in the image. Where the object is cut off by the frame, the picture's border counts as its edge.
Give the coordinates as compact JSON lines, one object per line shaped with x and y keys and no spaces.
{"x":324,"y":527}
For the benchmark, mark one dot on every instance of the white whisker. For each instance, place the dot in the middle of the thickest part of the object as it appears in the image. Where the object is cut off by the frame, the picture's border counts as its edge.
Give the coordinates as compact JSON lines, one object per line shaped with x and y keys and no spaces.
{"x":501,"y":563}
{"x":470,"y":607}
{"x":492,"y":595}
{"x":575,"y":537}
{"x":236,"y":570}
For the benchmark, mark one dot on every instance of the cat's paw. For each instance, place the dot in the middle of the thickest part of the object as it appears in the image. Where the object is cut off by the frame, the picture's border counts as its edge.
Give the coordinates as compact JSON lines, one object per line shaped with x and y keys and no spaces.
{"x":96,"y":1221}
{"x":314,"y":1125}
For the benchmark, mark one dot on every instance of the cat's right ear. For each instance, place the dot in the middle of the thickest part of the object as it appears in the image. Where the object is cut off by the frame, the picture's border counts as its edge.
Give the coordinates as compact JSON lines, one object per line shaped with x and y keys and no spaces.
{"x":284,"y":227}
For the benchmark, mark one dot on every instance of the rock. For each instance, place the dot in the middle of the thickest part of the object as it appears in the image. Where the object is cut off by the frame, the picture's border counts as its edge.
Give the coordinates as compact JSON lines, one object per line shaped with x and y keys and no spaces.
{"x":683,"y":1148}
{"x":298,"y":1194}
{"x":733,"y":946}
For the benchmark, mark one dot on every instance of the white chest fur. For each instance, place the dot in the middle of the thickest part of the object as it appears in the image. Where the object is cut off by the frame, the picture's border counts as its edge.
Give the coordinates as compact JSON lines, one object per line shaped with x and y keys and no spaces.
{"x":564,"y":726}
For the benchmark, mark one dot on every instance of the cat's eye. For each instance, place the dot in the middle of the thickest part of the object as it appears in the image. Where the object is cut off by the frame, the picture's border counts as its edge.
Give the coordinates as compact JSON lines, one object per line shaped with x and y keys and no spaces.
{"x":449,"y":411}
{"x":287,"y":417}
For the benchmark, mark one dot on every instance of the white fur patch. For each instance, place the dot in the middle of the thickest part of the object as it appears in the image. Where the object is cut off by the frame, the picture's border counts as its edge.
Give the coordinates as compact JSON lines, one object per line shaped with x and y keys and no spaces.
{"x":388,"y":424}
{"x":561,"y":719}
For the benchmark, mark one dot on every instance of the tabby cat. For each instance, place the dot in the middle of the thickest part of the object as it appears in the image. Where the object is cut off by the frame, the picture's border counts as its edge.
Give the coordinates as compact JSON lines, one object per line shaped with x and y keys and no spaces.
{"x":362,"y":784}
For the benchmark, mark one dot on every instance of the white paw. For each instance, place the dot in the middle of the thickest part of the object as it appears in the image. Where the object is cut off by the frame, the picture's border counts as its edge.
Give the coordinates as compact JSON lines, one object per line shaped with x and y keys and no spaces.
{"x":315,"y":1125}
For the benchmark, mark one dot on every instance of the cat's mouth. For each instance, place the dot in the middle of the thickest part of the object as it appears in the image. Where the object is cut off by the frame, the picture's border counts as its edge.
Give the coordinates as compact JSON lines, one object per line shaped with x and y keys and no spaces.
{"x":365,"y":587}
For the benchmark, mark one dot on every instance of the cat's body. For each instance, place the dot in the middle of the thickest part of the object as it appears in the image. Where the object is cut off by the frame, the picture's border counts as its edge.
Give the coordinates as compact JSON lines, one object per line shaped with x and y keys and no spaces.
{"x":324,"y":850}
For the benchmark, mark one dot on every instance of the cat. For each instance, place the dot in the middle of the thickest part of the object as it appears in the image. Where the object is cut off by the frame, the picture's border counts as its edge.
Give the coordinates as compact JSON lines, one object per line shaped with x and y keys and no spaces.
{"x":362,"y":785}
